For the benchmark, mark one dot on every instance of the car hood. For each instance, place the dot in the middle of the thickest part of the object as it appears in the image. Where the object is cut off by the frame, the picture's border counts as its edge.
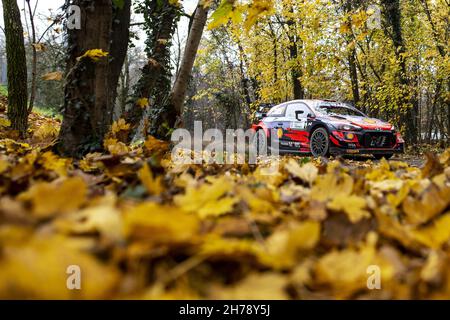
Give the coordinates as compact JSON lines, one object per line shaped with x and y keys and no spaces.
{"x":363,"y":122}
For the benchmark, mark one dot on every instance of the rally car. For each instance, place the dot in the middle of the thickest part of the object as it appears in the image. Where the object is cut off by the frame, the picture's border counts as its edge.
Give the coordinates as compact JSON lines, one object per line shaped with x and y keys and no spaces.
{"x":323,"y":127}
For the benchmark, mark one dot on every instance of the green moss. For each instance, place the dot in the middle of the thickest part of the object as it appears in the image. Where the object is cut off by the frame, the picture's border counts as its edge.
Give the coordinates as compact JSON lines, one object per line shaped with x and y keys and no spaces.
{"x":3,"y":90}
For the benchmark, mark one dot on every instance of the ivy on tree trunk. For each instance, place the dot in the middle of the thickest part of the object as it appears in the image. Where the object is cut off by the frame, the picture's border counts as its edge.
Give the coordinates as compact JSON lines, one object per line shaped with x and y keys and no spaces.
{"x":90,"y":87}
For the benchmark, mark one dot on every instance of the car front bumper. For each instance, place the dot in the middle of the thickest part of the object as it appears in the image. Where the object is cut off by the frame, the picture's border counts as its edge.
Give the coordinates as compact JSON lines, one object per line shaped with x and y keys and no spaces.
{"x":399,"y":148}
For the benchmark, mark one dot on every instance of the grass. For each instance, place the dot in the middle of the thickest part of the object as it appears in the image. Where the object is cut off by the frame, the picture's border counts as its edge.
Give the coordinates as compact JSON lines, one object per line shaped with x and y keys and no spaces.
{"x":41,"y":110}
{"x":3,"y":90}
{"x":47,"y":112}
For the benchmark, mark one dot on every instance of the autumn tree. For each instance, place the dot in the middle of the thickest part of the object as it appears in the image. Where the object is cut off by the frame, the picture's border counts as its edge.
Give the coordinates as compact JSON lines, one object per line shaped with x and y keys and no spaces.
{"x":17,"y":67}
{"x":153,"y":87}
{"x":393,"y":17}
{"x":178,"y":94}
{"x":95,"y":56}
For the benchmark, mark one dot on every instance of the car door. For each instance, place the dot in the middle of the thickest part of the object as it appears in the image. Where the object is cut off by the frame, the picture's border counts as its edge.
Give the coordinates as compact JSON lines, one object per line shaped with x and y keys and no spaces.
{"x":297,"y":115}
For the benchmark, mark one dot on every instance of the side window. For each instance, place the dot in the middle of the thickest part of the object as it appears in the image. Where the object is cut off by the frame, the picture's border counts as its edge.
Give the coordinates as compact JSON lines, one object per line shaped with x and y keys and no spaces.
{"x":297,"y":107}
{"x":277,"y":111}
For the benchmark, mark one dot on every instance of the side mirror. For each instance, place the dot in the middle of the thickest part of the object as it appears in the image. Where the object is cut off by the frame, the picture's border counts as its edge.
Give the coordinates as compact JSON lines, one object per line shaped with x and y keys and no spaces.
{"x":260,"y":115}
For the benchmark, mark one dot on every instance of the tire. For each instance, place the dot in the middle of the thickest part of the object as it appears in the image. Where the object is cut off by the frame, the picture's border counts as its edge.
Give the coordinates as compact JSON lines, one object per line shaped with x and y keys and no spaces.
{"x":260,"y":142}
{"x":387,"y":156}
{"x":319,"y":143}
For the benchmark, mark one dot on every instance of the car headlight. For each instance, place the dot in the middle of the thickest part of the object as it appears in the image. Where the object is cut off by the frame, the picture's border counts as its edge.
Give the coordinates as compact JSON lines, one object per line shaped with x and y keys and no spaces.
{"x":348,"y":127}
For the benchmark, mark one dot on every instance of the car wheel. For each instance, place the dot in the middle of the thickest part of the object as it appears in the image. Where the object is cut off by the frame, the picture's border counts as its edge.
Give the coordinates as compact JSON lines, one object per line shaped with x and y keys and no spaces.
{"x":319,"y":143}
{"x":260,"y":143}
{"x":387,"y":156}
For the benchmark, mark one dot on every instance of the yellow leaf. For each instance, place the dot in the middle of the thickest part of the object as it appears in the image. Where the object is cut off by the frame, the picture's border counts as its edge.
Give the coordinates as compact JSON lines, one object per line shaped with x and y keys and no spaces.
{"x":153,"y":186}
{"x":208,"y":199}
{"x":219,"y":248}
{"x":222,"y":14}
{"x":143,"y":103}
{"x":4,"y":123}
{"x":104,"y":218}
{"x":435,"y":235}
{"x":257,"y":9}
{"x":115,"y":147}
{"x":37,"y":270}
{"x":283,"y":246}
{"x":46,"y":131}
{"x":52,"y":162}
{"x":153,"y":145}
{"x":353,"y":206}
{"x":49,"y":199}
{"x":160,"y":224}
{"x":120,"y":125}
{"x":330,"y":186}
{"x":39,"y":47}
{"x":266,"y":286}
{"x":430,"y":204}
{"x":94,"y":54}
{"x":4,"y":164}
{"x":346,"y":271}
{"x":307,"y":173}
{"x":53,"y":76}
{"x":433,"y":268}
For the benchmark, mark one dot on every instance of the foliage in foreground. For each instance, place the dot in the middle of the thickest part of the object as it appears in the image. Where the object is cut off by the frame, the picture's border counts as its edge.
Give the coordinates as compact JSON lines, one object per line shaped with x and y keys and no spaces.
{"x":140,"y":226}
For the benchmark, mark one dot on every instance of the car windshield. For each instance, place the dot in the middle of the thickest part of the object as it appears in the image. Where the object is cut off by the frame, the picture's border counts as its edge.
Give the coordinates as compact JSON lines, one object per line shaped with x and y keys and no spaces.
{"x":340,"y":111}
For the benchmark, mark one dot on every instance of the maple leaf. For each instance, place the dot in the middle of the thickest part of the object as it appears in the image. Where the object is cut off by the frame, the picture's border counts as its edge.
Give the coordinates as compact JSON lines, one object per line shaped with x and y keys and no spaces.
{"x":153,"y":145}
{"x":431,"y":203}
{"x":115,"y":147}
{"x":346,"y":271}
{"x":48,"y":199}
{"x":283,"y":246}
{"x":53,"y":76}
{"x":331,"y":186}
{"x":46,"y":131}
{"x":308,"y":172}
{"x":435,"y":235}
{"x":52,"y":162}
{"x":120,"y":125}
{"x":94,"y":54}
{"x":153,"y":185}
{"x":103,"y":217}
{"x":256,"y":286}
{"x":143,"y":103}
{"x":160,"y":224}
{"x":208,"y":199}
{"x":257,"y":9}
{"x":353,"y":206}
{"x":47,"y":279}
{"x":39,"y":47}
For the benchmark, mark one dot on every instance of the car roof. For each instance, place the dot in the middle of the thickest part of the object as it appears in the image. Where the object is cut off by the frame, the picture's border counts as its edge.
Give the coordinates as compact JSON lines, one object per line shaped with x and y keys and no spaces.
{"x":314,"y":103}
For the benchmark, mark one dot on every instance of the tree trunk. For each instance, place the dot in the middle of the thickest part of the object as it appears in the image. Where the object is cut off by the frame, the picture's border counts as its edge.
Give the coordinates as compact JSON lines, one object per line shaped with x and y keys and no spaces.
{"x":354,"y":76}
{"x":442,"y":52}
{"x":17,"y":67}
{"x":392,"y":14}
{"x":87,"y":109}
{"x":34,"y":61}
{"x":296,"y":71}
{"x":178,"y":94}
{"x":351,"y":55}
{"x":124,"y":87}
{"x":119,"y":46}
{"x":155,"y":81}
